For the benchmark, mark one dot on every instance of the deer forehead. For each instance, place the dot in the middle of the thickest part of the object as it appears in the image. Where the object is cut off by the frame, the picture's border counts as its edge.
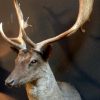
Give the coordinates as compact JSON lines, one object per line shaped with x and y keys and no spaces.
{"x":28,"y":55}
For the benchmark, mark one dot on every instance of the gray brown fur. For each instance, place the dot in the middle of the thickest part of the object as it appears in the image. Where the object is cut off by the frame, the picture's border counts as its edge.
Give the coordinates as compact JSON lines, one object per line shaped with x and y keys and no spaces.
{"x":39,"y":79}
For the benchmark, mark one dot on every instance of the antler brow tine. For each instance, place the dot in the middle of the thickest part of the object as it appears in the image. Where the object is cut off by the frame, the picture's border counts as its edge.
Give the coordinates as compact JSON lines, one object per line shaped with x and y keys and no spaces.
{"x":21,"y":44}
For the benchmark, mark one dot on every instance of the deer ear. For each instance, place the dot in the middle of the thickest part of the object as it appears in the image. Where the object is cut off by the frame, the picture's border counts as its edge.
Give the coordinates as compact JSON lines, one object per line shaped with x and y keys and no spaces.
{"x":15,"y":49}
{"x":46,"y":51}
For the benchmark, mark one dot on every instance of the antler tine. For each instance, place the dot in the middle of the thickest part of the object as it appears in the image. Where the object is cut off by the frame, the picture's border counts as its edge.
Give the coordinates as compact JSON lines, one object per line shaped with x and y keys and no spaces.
{"x":23,"y":24}
{"x":85,"y":8}
{"x":22,"y":44}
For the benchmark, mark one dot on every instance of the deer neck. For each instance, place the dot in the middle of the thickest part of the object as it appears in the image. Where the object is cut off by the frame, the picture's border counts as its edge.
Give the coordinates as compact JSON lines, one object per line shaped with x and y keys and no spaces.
{"x":44,"y":88}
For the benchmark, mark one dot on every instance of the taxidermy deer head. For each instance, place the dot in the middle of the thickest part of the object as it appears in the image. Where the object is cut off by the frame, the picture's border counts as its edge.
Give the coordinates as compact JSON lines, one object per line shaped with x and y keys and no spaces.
{"x":32,"y":64}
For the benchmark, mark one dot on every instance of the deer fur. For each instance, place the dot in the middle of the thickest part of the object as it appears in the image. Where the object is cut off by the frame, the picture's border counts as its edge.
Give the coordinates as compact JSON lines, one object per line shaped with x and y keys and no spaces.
{"x":38,"y":78}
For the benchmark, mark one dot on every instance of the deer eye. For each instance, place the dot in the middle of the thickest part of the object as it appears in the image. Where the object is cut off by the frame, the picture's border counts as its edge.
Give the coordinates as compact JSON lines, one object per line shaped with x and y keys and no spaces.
{"x":33,"y":62}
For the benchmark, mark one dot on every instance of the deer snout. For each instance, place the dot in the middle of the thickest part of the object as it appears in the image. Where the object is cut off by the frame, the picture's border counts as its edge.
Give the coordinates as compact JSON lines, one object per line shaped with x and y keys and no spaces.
{"x":11,"y":82}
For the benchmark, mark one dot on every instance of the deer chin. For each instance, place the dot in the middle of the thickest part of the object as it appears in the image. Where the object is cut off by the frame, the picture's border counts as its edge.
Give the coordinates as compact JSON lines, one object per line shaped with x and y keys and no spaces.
{"x":16,"y":85}
{"x":24,"y":82}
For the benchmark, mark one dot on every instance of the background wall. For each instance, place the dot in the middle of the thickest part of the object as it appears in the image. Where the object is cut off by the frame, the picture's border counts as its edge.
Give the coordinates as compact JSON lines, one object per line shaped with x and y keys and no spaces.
{"x":75,"y":59}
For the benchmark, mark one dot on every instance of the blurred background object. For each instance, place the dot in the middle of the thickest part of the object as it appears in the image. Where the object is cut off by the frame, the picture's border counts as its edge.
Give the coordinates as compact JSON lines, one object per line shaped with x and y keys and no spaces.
{"x":75,"y":59}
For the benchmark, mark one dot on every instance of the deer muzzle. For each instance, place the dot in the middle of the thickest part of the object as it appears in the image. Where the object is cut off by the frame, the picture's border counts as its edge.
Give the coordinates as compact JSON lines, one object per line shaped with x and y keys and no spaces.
{"x":11,"y":82}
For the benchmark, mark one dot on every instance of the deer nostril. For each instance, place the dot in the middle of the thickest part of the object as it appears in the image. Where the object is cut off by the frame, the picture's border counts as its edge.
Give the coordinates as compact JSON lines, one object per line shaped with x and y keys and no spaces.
{"x":10,"y":83}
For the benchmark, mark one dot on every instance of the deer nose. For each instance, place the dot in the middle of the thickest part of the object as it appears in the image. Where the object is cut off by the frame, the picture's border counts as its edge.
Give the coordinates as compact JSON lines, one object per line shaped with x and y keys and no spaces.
{"x":10,"y":83}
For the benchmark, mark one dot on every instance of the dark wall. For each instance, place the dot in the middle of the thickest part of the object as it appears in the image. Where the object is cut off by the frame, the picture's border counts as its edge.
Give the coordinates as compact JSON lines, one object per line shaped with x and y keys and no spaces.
{"x":75,"y":59}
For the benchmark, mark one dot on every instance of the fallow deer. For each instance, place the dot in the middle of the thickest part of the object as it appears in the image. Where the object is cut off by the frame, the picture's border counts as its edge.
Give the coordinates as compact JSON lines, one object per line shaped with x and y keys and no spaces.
{"x":31,"y":65}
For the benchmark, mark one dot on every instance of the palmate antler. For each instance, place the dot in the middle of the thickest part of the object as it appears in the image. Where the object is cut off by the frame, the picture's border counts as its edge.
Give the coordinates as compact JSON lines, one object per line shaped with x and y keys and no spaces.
{"x":85,"y":9}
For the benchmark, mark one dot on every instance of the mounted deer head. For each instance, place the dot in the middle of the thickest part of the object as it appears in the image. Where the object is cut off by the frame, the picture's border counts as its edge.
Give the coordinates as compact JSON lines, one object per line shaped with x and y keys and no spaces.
{"x":28,"y":66}
{"x":31,"y":64}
